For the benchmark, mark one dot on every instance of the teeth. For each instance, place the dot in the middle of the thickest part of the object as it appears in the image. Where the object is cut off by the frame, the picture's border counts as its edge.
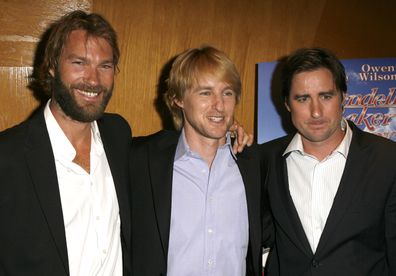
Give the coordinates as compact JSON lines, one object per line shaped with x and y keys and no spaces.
{"x":216,"y":119}
{"x":88,"y":94}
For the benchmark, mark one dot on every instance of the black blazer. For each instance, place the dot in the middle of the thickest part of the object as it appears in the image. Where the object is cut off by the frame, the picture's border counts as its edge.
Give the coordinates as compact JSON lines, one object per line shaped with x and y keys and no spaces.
{"x":359,"y":237}
{"x":32,"y":234}
{"x":151,"y":171}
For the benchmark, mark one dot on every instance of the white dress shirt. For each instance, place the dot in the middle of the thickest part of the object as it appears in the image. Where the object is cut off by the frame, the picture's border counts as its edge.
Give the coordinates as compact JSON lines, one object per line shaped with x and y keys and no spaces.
{"x":313,"y":184}
{"x":89,"y":206}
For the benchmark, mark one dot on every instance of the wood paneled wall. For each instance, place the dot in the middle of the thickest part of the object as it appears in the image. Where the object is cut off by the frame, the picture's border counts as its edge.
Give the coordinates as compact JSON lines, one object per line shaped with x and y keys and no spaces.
{"x":21,"y":25}
{"x":151,"y":32}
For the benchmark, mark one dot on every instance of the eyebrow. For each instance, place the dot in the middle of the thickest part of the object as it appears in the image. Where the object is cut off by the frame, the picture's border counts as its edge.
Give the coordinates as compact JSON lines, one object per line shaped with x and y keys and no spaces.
{"x":203,"y":87}
{"x":74,"y":56}
{"x":208,"y":87}
{"x":327,"y":92}
{"x":330,"y":92}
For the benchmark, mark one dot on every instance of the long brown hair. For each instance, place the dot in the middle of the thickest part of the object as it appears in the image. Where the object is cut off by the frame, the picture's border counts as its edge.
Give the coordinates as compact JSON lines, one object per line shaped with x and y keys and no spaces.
{"x":95,"y":26}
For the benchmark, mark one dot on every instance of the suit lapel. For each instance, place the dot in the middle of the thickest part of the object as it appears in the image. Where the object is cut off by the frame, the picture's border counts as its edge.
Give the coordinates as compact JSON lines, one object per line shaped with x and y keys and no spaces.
{"x":282,"y":204}
{"x":355,"y":164}
{"x":117,"y":156}
{"x":161,"y":157}
{"x":250,"y":172}
{"x":41,"y":165}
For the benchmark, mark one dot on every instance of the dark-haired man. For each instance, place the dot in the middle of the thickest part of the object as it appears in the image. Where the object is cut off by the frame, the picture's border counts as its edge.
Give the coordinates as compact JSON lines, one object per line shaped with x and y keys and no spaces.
{"x":64,"y":201}
{"x":332,"y":187}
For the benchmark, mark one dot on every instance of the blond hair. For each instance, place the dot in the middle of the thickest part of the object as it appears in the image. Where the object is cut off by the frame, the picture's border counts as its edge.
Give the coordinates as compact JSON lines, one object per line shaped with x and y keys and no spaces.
{"x":189,"y":67}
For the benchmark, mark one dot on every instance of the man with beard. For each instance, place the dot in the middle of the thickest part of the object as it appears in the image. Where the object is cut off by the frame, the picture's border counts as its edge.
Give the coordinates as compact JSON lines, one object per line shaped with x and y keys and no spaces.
{"x":64,"y":200}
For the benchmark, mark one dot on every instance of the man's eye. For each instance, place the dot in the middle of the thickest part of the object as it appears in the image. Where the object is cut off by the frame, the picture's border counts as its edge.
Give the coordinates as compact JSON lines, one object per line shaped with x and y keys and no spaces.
{"x":229,"y":93}
{"x":327,"y":97}
{"x":204,"y":92}
{"x":77,"y":62}
{"x":107,"y":66}
{"x":301,"y":99}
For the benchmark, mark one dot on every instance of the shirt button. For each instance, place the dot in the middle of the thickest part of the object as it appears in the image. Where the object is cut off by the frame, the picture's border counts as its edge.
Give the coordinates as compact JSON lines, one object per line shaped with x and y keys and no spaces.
{"x":104,"y":251}
{"x":315,"y":263}
{"x":210,"y":262}
{"x":97,"y":218}
{"x":210,"y":231}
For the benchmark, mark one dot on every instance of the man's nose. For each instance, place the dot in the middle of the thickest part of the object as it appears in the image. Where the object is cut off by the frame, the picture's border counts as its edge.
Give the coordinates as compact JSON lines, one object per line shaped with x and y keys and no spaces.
{"x":316,"y":109}
{"x":219,"y":102}
{"x":92,"y":76}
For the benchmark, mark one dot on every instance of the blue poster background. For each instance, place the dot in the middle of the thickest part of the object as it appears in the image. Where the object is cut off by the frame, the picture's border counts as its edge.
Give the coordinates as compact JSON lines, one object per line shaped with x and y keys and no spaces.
{"x":370,"y":102}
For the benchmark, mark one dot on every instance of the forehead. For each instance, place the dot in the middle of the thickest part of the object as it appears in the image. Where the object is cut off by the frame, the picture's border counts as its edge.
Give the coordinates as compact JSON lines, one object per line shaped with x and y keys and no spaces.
{"x":319,"y":79}
{"x":79,"y":42}
{"x":208,"y":80}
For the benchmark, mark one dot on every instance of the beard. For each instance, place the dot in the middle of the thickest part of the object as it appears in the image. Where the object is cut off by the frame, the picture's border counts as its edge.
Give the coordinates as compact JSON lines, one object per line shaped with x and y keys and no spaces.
{"x":68,"y":103}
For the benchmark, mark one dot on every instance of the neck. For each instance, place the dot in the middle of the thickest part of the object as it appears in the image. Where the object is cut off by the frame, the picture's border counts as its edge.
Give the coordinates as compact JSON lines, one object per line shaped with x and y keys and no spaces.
{"x":78,"y":133}
{"x":74,"y":130}
{"x":204,"y":146}
{"x":324,"y":148}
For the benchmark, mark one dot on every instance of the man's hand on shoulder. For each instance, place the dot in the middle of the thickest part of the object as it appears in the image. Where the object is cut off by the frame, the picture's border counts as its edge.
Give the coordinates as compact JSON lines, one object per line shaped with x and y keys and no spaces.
{"x":242,"y":138}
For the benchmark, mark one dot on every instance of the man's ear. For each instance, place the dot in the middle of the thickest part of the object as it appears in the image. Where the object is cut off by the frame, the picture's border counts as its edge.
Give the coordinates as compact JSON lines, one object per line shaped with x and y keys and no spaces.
{"x":178,"y":103}
{"x":344,"y":94}
{"x":287,"y":105}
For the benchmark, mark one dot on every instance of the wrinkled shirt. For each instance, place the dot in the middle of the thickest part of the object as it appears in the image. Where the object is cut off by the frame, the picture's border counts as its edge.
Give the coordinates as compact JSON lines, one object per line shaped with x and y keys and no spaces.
{"x":89,"y":206}
{"x":209,"y":229}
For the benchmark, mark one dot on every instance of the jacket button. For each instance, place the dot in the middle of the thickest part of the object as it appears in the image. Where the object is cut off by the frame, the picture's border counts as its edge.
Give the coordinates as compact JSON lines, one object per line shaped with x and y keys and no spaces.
{"x":315,"y":263}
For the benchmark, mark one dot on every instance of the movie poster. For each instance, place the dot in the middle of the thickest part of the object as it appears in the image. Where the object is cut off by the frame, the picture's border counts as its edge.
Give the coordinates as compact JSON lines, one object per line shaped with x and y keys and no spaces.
{"x":370,"y":102}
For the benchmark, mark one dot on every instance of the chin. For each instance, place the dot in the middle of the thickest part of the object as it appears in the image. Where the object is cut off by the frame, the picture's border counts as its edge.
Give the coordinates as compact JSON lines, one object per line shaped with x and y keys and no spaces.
{"x":218,"y":135}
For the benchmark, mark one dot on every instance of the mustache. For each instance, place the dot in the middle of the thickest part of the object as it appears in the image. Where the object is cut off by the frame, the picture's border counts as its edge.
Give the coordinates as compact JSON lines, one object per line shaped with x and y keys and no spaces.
{"x":88,"y":88}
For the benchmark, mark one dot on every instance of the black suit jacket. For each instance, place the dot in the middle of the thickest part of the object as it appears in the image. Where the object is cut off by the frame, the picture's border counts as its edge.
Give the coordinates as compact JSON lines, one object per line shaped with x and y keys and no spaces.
{"x":359,"y":238}
{"x":32,"y":234}
{"x":152,"y":171}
